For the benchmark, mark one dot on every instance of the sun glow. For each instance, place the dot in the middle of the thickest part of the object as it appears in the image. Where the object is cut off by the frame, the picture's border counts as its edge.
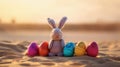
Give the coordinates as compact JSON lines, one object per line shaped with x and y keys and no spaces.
{"x":75,"y":10}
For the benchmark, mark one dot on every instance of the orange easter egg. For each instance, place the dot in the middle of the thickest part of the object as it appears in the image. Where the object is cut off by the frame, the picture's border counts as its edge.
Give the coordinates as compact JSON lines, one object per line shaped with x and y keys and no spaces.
{"x":43,"y":49}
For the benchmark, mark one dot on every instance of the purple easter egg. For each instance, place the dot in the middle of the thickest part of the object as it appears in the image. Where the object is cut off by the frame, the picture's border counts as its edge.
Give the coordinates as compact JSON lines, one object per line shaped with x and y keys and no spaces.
{"x":92,"y":49}
{"x":32,"y":49}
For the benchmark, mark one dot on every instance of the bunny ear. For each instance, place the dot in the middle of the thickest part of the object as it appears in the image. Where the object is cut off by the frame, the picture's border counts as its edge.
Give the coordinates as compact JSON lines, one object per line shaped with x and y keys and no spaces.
{"x":62,"y":22}
{"x":51,"y":22}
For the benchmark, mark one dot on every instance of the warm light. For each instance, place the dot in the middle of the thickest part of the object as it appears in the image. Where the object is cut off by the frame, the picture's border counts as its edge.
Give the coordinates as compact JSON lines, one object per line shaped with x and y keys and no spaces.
{"x":75,"y":10}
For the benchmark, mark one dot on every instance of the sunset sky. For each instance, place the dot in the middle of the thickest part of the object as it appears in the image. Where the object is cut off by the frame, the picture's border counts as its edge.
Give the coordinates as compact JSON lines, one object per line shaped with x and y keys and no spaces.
{"x":76,"y":10}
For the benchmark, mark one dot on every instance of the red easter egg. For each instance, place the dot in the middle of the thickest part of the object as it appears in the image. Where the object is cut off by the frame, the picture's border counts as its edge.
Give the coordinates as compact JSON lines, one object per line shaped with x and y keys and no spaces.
{"x":43,"y":49}
{"x":92,"y":49}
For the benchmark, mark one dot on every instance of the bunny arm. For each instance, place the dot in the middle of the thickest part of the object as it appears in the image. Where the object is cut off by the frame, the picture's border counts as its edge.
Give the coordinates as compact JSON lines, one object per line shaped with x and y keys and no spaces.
{"x":62,"y":43}
{"x":51,"y":44}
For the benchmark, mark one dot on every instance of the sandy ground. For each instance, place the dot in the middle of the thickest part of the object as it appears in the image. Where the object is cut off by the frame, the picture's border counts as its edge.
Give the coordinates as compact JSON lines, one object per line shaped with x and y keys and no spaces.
{"x":12,"y":55}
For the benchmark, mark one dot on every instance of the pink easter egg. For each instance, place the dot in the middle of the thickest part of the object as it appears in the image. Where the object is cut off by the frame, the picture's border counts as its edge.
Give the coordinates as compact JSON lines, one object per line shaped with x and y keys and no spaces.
{"x":32,"y":49}
{"x":92,"y":49}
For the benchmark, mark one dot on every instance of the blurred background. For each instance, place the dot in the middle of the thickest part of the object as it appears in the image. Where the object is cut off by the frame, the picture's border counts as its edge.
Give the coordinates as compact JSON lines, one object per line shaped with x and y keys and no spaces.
{"x":88,"y":20}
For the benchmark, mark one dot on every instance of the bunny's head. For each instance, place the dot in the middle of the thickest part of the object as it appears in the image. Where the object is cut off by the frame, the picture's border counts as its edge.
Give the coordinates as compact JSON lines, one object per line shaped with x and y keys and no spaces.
{"x":56,"y":32}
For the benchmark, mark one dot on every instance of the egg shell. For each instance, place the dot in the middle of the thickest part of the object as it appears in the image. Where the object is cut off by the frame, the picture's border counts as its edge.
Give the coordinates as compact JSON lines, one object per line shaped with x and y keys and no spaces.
{"x":92,"y":49}
{"x":32,"y":49}
{"x":79,"y":51}
{"x":81,"y":45}
{"x":68,"y":50}
{"x":43,"y":49}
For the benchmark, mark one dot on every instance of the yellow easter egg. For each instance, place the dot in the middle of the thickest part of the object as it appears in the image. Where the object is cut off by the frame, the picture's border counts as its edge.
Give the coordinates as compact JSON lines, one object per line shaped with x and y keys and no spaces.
{"x":79,"y":51}
{"x":81,"y":45}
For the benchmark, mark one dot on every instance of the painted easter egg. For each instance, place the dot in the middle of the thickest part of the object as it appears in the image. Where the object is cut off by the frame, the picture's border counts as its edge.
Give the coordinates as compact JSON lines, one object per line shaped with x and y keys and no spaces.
{"x":92,"y":49}
{"x":80,"y":49}
{"x":32,"y":49}
{"x":81,"y":45}
{"x":43,"y":49}
{"x":68,"y":50}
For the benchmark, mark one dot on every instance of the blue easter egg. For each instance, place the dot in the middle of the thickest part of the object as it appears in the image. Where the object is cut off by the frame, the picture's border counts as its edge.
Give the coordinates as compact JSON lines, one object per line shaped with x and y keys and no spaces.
{"x":68,"y":50}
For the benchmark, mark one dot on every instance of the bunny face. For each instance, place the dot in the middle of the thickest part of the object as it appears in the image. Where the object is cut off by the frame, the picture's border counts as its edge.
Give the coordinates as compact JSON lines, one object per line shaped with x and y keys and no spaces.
{"x":56,"y":32}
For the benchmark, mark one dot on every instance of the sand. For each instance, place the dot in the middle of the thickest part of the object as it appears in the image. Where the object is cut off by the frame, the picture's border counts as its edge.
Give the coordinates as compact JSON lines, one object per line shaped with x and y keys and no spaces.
{"x":12,"y":55}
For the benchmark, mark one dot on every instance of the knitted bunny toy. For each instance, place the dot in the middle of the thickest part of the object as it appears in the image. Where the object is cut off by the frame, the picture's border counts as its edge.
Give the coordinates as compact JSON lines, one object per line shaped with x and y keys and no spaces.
{"x":56,"y":43}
